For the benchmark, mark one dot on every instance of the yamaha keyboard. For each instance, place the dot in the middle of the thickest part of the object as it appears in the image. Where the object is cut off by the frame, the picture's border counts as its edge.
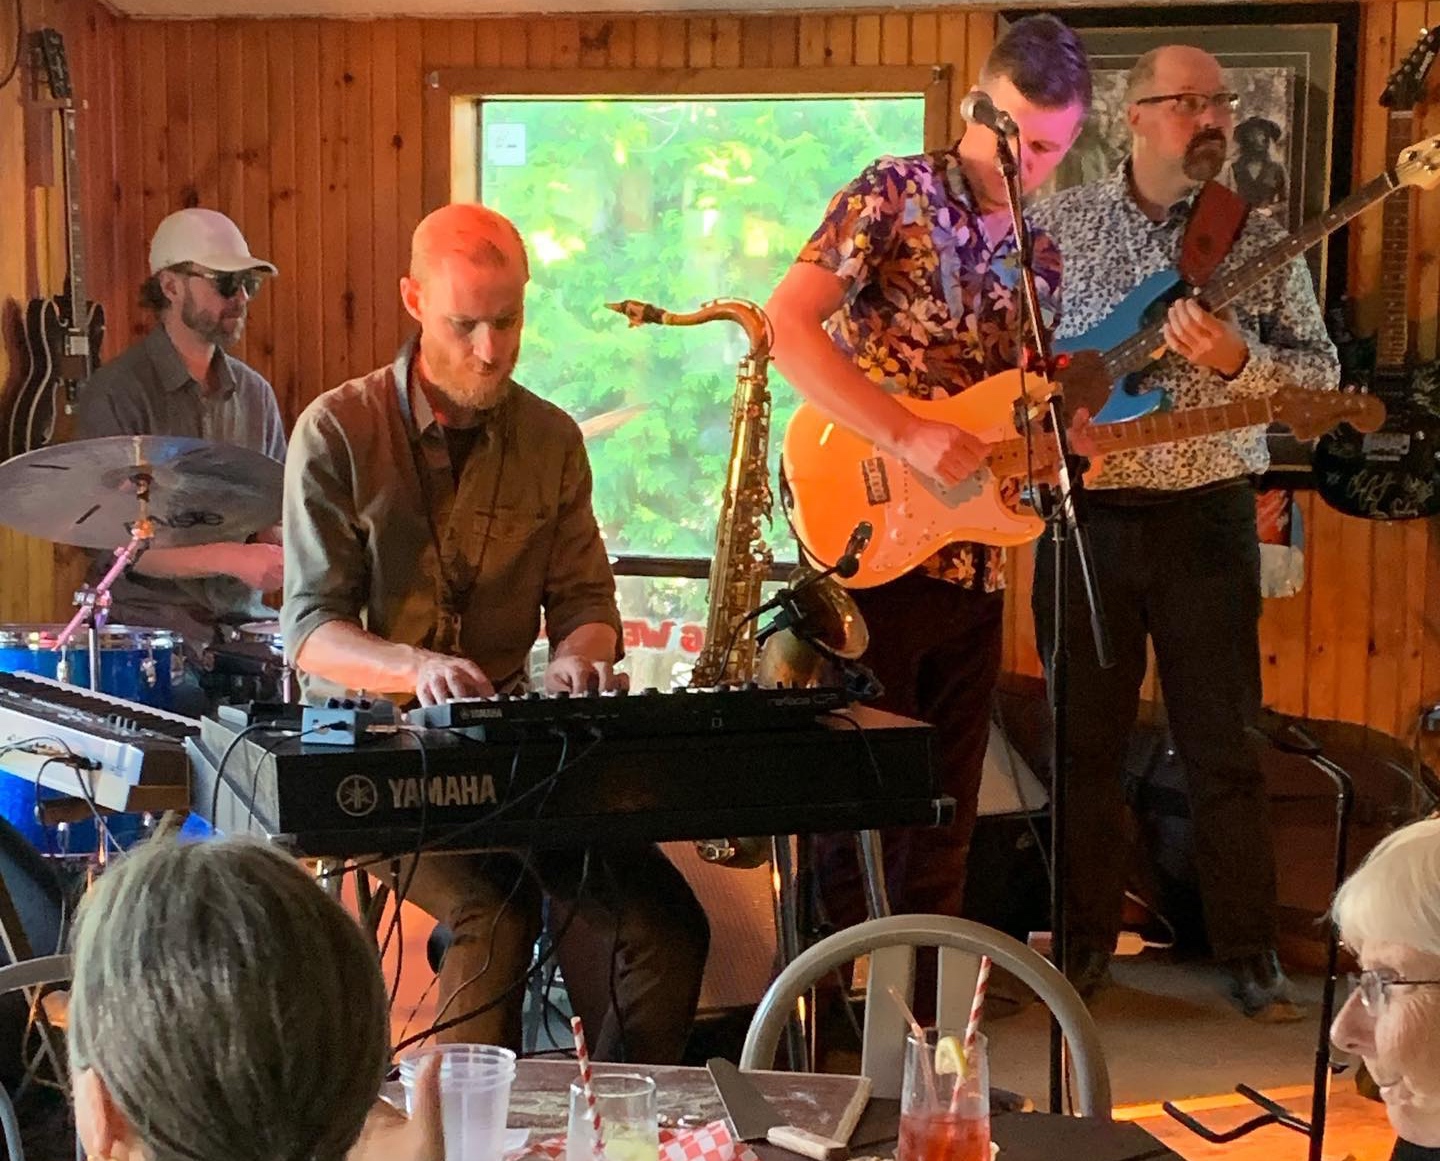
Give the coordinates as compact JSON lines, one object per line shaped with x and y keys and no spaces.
{"x":132,"y":757}
{"x":402,"y":788}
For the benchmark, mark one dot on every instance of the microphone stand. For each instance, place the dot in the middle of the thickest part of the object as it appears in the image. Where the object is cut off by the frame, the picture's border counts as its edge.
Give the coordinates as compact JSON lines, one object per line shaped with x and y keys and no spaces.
{"x":1065,"y":525}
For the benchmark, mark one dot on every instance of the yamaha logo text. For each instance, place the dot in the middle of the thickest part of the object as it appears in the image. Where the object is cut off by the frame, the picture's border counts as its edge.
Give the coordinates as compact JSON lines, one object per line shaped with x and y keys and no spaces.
{"x":451,"y":790}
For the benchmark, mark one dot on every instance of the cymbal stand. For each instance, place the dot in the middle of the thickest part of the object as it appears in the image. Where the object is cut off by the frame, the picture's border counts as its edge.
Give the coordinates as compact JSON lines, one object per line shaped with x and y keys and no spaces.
{"x":93,"y":604}
{"x":93,"y":607}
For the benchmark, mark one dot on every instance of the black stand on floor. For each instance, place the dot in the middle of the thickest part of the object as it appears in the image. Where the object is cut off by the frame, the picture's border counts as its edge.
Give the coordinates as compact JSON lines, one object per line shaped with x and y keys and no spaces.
{"x":1294,"y":739}
{"x":1066,"y":526}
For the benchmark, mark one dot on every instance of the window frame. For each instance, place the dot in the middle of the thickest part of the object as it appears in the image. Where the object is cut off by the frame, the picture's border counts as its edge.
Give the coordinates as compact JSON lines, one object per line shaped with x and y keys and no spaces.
{"x":453,"y":112}
{"x":452,"y":128}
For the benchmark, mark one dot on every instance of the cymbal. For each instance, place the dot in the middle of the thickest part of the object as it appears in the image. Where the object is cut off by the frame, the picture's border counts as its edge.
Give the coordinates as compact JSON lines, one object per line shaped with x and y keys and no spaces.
{"x":86,"y":492}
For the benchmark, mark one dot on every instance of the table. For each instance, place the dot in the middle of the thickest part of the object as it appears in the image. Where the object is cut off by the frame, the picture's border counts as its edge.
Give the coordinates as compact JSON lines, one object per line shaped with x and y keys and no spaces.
{"x":821,"y":1102}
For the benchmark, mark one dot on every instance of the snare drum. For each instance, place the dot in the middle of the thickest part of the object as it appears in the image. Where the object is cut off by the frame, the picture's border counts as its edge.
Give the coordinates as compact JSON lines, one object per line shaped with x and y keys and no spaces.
{"x":264,"y":633}
{"x":135,"y":663}
{"x":249,"y":664}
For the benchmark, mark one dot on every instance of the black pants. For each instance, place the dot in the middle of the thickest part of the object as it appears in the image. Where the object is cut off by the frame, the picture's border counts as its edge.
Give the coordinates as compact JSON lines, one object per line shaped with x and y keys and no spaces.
{"x":1184,"y":572}
{"x":936,"y":648}
{"x":633,"y":946}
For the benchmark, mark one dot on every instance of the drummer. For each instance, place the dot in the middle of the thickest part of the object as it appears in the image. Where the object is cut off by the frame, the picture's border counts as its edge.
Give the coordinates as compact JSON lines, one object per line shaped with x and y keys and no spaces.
{"x":179,"y":380}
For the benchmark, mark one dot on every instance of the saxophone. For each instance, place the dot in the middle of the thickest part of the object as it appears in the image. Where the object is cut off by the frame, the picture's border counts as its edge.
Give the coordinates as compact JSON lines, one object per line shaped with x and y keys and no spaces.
{"x":742,"y":559}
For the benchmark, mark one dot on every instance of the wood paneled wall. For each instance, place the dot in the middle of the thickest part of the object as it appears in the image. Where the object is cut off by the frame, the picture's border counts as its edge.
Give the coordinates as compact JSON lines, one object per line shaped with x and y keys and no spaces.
{"x":308,"y":132}
{"x":35,"y":581}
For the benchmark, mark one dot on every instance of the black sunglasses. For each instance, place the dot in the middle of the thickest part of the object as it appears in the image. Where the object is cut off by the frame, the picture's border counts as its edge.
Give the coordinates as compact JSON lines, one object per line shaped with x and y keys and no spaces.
{"x":228,"y":283}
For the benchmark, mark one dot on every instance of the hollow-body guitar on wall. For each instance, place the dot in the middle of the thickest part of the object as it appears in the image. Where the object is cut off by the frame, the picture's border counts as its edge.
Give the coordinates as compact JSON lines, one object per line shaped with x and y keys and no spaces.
{"x":1392,"y":473}
{"x":834,"y":478}
{"x":63,"y":333}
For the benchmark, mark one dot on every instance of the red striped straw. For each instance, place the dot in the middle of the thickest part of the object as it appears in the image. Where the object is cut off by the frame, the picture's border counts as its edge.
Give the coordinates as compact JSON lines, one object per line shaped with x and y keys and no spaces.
{"x":972,"y":1027}
{"x":582,"y":1054}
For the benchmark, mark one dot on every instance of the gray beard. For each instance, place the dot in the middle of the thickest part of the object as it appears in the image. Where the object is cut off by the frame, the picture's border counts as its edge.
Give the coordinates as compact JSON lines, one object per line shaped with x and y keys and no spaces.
{"x":207,"y":325}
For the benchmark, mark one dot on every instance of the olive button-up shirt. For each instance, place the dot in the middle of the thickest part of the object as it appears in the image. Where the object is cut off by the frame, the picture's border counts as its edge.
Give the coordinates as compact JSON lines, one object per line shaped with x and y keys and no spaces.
{"x":371,"y":501}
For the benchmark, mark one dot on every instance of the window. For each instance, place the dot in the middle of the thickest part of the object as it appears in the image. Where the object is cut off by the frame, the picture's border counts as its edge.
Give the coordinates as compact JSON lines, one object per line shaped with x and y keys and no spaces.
{"x":674,"y":202}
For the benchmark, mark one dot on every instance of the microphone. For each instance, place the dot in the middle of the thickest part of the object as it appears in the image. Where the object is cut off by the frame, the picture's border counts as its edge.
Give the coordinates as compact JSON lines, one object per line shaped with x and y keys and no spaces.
{"x":848,"y":563}
{"x":979,"y":109}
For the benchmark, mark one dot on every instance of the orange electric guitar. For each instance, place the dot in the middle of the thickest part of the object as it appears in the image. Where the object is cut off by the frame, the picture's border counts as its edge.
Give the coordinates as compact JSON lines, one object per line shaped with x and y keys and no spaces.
{"x":834,"y":477}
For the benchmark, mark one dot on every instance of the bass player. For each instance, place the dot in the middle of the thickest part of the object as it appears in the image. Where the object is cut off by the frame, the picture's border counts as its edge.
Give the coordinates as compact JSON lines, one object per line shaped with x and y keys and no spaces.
{"x":1172,"y":529}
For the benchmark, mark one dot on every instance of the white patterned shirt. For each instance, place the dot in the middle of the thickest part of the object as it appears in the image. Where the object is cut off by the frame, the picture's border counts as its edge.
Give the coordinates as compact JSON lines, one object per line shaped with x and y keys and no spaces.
{"x":1109,"y":246}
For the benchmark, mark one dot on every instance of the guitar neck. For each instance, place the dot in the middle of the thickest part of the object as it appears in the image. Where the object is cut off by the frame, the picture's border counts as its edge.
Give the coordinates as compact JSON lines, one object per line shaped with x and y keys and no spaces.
{"x":74,"y":247}
{"x":1392,"y":342}
{"x":1138,"y":351}
{"x":1010,"y":458}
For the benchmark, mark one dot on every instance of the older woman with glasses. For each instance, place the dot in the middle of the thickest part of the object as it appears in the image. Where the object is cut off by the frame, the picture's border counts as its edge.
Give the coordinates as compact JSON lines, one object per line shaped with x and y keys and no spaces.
{"x":1389,"y":914}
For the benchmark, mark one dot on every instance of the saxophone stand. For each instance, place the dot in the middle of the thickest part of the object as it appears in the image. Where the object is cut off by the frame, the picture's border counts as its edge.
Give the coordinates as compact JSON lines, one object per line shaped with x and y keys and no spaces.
{"x":792,"y":875}
{"x":1065,"y":525}
{"x":1292,"y":738}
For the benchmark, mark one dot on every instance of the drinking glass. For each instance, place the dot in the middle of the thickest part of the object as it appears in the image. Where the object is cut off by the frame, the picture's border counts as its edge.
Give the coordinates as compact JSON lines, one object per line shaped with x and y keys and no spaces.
{"x":629,"y":1121}
{"x":475,"y":1084}
{"x":944,"y":1116}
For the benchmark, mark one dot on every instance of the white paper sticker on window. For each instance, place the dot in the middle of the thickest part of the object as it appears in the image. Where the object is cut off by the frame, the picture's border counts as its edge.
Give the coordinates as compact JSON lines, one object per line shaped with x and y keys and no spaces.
{"x":505,"y":144}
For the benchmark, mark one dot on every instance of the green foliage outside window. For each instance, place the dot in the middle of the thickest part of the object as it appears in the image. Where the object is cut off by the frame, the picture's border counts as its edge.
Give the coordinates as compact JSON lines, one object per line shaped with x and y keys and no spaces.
{"x":674,"y":203}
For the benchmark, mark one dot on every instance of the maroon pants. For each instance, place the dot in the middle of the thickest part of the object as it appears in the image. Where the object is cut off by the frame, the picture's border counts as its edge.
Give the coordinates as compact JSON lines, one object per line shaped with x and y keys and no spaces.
{"x":936,"y":648}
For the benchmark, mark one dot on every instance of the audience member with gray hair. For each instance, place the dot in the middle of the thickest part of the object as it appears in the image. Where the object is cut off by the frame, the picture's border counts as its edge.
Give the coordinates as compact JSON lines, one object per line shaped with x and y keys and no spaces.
{"x":224,"y":1008}
{"x":1389,"y":915}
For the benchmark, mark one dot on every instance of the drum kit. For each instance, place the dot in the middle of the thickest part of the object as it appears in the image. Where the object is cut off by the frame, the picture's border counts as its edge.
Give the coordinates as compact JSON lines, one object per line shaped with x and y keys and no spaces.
{"x":130,"y":493}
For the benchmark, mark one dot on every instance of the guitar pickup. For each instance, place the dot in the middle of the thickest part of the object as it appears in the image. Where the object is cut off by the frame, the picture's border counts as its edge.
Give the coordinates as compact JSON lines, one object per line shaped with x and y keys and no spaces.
{"x":877,"y":482}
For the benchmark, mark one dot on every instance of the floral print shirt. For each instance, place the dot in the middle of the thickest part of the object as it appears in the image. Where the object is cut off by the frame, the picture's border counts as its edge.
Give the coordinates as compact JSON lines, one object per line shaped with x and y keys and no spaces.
{"x":1113,"y":247}
{"x":931,"y":305}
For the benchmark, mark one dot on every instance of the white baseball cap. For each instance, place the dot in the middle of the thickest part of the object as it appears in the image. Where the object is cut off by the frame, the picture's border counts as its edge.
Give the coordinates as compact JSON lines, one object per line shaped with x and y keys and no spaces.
{"x":206,"y":238}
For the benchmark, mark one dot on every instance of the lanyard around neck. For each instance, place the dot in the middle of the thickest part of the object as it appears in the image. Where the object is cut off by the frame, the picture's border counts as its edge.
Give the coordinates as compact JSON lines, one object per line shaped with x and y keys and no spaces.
{"x":460,"y":547}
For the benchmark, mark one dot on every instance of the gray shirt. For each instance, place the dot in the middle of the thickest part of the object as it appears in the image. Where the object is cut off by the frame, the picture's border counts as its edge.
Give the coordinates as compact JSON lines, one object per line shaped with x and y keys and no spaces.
{"x":148,"y":391}
{"x":372,"y":499}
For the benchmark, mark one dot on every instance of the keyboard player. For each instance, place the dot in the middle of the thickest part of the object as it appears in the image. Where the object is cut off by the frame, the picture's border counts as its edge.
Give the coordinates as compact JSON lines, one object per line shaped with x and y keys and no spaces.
{"x":434,"y":509}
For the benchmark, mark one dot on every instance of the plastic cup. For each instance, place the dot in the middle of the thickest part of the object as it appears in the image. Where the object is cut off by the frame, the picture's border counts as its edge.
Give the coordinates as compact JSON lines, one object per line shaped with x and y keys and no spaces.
{"x":475,"y":1084}
{"x":951,"y":1120}
{"x":629,"y":1119}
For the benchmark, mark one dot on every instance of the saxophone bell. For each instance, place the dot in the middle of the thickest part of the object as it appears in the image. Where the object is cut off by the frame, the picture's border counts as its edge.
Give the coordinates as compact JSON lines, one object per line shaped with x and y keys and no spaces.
{"x":825,"y":631}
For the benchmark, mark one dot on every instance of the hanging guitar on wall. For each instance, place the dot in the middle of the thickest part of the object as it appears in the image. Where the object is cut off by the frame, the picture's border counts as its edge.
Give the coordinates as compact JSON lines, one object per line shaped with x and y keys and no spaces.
{"x":63,"y":333}
{"x":1392,"y":473}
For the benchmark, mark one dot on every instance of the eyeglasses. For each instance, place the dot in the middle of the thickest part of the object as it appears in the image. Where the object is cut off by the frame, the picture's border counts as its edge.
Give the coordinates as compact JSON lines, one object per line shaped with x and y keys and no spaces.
{"x":1374,"y":987}
{"x":1193,"y":104}
{"x":227,"y":283}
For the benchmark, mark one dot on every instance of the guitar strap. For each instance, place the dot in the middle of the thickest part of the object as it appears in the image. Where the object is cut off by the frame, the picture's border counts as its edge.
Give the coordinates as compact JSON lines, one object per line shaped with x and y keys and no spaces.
{"x":1216,"y":219}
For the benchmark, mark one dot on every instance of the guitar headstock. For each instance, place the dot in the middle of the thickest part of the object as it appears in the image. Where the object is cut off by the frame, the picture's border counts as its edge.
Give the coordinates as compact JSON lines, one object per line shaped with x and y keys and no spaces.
{"x":1419,"y":164}
{"x":1406,"y":86}
{"x":1312,"y":413}
{"x":57,"y":70}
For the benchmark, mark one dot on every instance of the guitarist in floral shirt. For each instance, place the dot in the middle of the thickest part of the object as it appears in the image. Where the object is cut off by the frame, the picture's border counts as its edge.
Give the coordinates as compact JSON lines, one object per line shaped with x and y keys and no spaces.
{"x":910,"y":286}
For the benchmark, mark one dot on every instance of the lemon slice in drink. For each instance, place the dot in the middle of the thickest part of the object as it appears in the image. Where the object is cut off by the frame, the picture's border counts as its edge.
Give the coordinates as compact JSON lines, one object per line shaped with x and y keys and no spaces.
{"x":949,"y":1056}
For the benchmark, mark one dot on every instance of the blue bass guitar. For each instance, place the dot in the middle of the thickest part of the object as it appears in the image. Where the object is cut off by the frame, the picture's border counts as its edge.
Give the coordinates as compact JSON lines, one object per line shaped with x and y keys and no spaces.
{"x":1131,"y":337}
